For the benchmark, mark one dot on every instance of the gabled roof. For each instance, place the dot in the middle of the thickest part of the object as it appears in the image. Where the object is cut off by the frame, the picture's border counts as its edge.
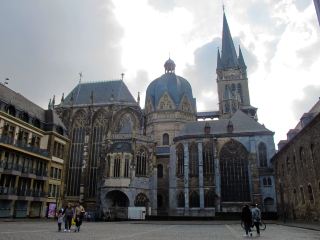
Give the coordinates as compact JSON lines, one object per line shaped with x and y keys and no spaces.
{"x":242,"y":124}
{"x":104,"y":92}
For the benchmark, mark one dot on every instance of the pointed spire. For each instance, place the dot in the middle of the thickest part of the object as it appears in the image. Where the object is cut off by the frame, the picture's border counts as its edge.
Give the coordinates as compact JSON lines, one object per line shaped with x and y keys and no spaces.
{"x":53,"y":101}
{"x":138,"y":99}
{"x":242,"y":64}
{"x":219,"y":64}
{"x":49,"y":104}
{"x":62,"y":98}
{"x":228,"y":56}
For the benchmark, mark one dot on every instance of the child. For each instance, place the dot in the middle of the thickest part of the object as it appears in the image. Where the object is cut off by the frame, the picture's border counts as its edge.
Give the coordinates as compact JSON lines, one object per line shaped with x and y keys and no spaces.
{"x":60,"y":219}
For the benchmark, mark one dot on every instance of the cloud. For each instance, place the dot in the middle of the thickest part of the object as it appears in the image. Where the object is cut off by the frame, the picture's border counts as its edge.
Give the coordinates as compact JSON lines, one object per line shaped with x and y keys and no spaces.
{"x":311,"y":94}
{"x":45,"y":44}
{"x":302,"y":4}
{"x":163,"y":5}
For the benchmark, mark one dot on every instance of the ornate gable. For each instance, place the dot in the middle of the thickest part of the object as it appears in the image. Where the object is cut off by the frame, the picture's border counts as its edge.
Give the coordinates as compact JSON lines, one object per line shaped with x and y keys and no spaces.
{"x":185,"y":105}
{"x":165,"y":102}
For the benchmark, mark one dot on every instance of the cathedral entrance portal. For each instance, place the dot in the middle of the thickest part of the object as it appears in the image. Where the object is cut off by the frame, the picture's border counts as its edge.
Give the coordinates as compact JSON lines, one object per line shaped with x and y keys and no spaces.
{"x":117,"y":203}
{"x":234,"y":173}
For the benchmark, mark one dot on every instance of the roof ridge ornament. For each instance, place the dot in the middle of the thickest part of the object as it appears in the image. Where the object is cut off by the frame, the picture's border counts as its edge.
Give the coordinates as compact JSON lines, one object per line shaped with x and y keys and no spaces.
{"x":169,"y":66}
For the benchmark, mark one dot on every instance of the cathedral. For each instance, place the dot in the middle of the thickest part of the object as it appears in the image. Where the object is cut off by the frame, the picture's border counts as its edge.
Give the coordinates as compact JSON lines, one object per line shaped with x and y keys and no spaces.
{"x":168,"y":159}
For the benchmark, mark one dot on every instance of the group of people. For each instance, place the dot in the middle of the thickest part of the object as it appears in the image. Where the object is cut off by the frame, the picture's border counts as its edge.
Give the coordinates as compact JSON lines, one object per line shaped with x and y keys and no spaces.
{"x":251,"y":218}
{"x":67,"y":214}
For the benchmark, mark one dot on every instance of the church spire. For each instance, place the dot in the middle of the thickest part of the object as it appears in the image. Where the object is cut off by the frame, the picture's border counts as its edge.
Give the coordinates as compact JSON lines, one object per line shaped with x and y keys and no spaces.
{"x":242,"y":64}
{"x":228,"y":56}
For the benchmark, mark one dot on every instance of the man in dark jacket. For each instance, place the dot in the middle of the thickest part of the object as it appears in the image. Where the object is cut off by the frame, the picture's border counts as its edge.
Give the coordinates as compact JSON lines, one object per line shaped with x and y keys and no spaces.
{"x":246,"y":218}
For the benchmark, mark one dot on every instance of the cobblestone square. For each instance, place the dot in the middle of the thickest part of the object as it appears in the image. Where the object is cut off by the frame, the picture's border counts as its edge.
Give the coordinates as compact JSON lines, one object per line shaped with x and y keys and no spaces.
{"x":148,"y":231}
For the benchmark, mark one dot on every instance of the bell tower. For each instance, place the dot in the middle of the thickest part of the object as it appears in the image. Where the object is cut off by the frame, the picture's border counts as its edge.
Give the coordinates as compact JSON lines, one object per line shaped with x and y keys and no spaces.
{"x":232,"y":81}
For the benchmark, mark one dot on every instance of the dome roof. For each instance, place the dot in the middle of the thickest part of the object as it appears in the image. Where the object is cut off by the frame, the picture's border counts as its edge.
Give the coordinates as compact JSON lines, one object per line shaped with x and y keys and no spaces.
{"x":174,"y":85}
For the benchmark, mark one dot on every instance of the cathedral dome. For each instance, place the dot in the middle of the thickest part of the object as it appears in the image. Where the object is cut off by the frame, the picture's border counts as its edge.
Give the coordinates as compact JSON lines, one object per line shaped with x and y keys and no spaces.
{"x":175,"y":86}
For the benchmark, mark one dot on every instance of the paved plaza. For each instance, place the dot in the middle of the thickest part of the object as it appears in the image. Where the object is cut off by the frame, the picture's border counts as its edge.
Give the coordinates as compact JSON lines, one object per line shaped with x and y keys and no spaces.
{"x":148,"y":231}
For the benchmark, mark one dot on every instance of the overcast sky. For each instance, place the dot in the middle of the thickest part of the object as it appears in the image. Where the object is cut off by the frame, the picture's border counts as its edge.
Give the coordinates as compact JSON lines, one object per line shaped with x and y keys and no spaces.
{"x":45,"y":44}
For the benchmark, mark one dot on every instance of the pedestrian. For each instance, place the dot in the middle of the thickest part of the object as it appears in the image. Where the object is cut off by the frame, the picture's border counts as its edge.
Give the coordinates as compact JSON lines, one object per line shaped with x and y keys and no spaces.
{"x":68,"y":215}
{"x":78,"y":216}
{"x":60,"y":217}
{"x":256,"y":218}
{"x":246,"y":218}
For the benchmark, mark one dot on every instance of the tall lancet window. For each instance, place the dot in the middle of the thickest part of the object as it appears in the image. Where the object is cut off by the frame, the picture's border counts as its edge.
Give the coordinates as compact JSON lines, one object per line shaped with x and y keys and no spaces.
{"x":193,"y":160}
{"x":180,"y":160}
{"x":239,"y":90}
{"x":208,"y":160}
{"x":262,"y":149}
{"x":141,"y":164}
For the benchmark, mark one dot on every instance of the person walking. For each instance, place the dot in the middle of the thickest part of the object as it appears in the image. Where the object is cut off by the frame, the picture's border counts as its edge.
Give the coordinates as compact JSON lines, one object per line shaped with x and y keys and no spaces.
{"x":246,"y":218}
{"x":60,"y":219}
{"x":79,"y":214}
{"x":68,"y":215}
{"x":256,"y":218}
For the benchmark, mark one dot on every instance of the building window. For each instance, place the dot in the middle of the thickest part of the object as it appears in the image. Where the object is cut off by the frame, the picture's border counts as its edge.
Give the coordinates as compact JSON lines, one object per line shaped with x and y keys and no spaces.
{"x":24,"y":116}
{"x":239,"y":89}
{"x":295,"y":196}
{"x":302,"y":156}
{"x":234,"y":173}
{"x":262,"y":149}
{"x":269,"y":182}
{"x":180,"y":160}
{"x":141,"y":168}
{"x":108,"y":166}
{"x":302,"y":195}
{"x":160,"y":170}
{"x":181,"y":200}
{"x":194,"y":200}
{"x":310,"y":192}
{"x":126,"y":167}
{"x":208,"y":161}
{"x":268,"y":204}
{"x":11,"y":110}
{"x":117,"y":167}
{"x":165,"y":139}
{"x":193,"y":160}
{"x":36,"y":122}
{"x":264,"y":180}
{"x":209,"y":199}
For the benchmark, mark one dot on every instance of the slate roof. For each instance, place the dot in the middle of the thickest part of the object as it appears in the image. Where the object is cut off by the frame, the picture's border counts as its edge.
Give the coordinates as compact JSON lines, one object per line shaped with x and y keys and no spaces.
{"x":242,"y":123}
{"x":104,"y":92}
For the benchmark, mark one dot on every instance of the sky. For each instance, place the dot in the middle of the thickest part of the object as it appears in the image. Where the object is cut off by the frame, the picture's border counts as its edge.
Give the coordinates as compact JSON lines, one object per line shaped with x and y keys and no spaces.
{"x":45,"y":44}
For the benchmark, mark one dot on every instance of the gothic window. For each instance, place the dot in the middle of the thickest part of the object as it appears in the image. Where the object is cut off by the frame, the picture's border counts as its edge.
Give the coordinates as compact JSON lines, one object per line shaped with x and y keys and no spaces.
{"x":226,"y":92}
{"x":193,"y":160}
{"x":180,"y":160}
{"x":126,"y":167}
{"x":76,"y":154}
{"x":208,"y":161}
{"x":165,"y":139}
{"x":226,"y":107}
{"x":141,"y":200}
{"x":194,"y":200}
{"x":264,"y":180}
{"x":302,"y":155}
{"x":269,"y":182}
{"x":310,"y":192}
{"x":126,"y":124}
{"x":239,"y":90}
{"x":209,"y":199}
{"x":160,"y":170}
{"x":234,"y":173}
{"x":180,"y":200}
{"x":295,"y":196}
{"x":117,"y":167}
{"x":262,"y":149}
{"x":302,"y":195}
{"x":233,"y":88}
{"x":141,"y":164}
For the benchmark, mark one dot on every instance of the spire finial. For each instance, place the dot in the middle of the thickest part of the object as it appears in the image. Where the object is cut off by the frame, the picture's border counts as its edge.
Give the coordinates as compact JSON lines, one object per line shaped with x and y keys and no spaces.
{"x":223,"y":6}
{"x":122,"y":75}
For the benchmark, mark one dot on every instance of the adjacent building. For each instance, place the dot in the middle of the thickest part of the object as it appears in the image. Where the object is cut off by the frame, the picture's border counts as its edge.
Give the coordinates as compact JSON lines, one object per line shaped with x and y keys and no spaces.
{"x":161,"y":160}
{"x":297,"y":167}
{"x":33,"y":148}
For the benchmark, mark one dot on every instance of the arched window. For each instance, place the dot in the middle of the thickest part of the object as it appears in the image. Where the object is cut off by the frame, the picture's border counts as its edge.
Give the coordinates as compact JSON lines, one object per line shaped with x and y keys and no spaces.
{"x":226,"y":92}
{"x":160,"y":170}
{"x":24,"y":117}
{"x":126,"y":166}
{"x":239,"y":89}
{"x":180,"y":160}
{"x":302,"y":155}
{"x":295,"y":196}
{"x":165,"y":139}
{"x":310,"y":192}
{"x":141,"y":200}
{"x":36,"y":122}
{"x":262,"y":149}
{"x":141,"y":167}
{"x":117,"y":167}
{"x":269,"y":182}
{"x":209,"y":199}
{"x":180,"y":200}
{"x":11,"y":110}
{"x":233,"y":88}
{"x":264,"y":182}
{"x":234,"y":173}
{"x":193,"y":160}
{"x":194,"y":200}
{"x":208,"y":161}
{"x":302,"y":195}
